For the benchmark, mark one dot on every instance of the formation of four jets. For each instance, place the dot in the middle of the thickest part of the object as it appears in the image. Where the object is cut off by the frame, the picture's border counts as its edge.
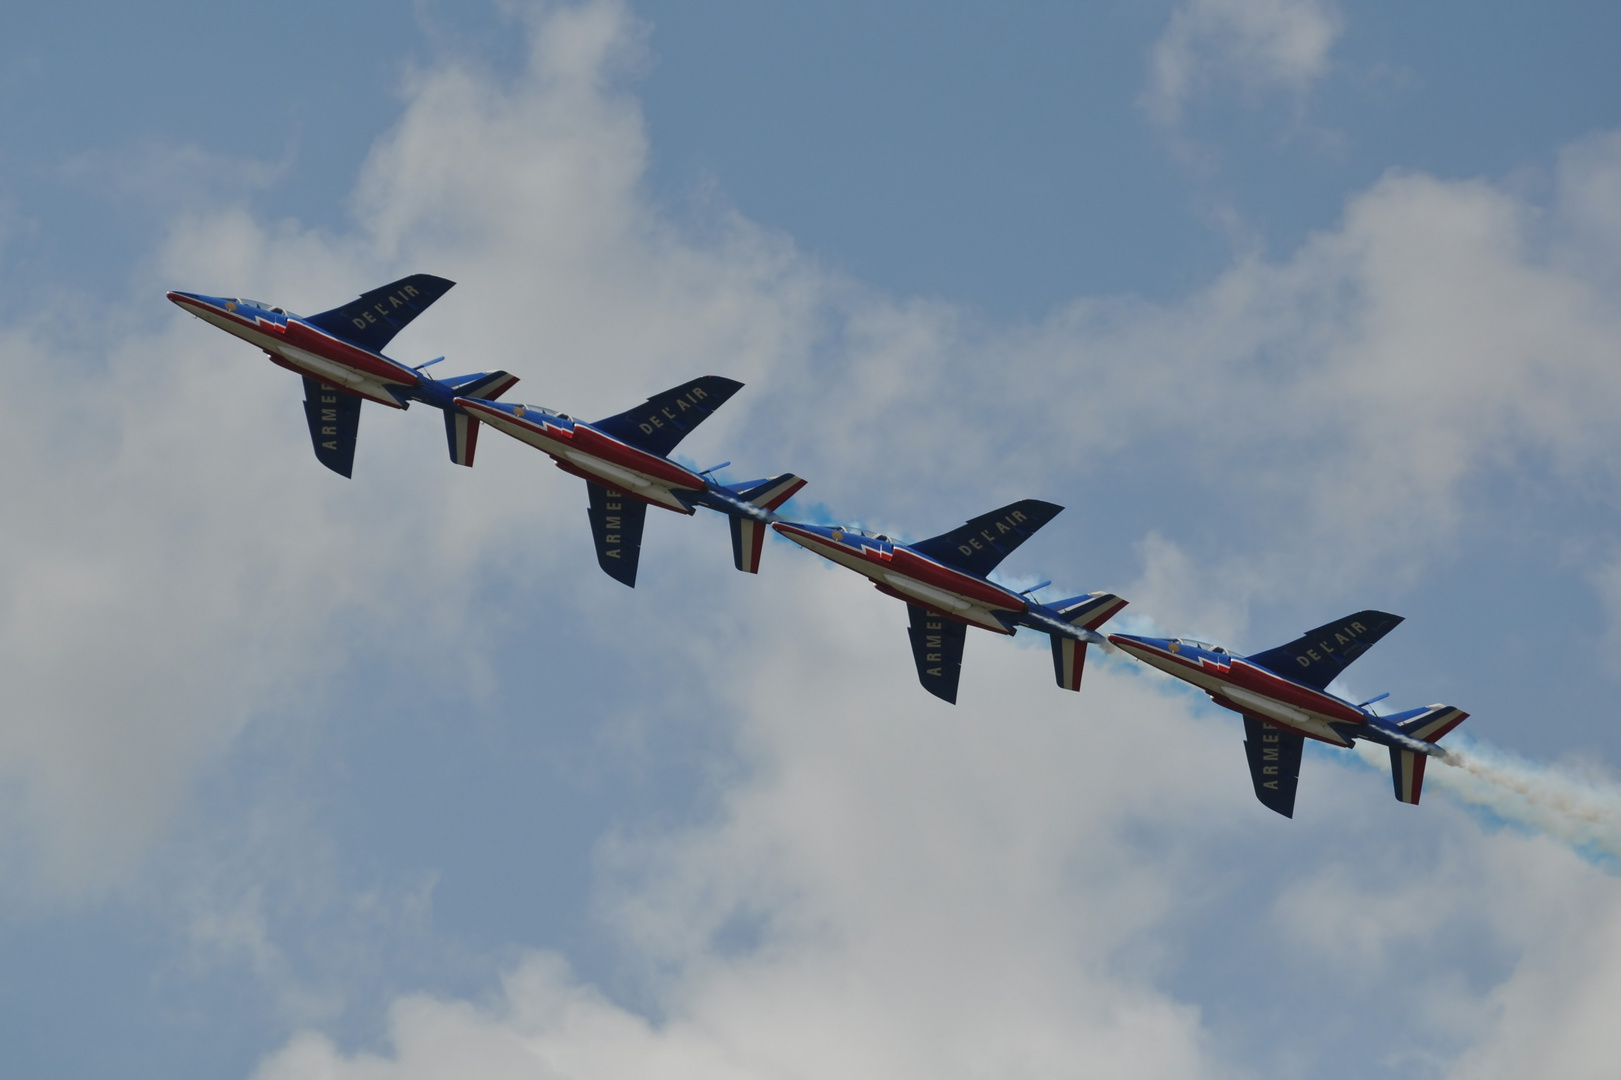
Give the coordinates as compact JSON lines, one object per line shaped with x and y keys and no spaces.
{"x":944,"y":581}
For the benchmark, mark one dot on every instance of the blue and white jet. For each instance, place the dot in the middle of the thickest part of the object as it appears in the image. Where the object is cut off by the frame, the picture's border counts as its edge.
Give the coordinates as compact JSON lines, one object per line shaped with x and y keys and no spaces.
{"x":340,"y":355}
{"x":945,"y":584}
{"x":1282,"y":695}
{"x":626,"y":468}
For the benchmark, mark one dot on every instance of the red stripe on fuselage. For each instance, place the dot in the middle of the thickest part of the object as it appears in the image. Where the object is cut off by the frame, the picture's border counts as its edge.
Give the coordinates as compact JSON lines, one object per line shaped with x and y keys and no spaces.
{"x":326,"y":380}
{"x":591,"y":441}
{"x":923,"y":569}
{"x":624,"y":489}
{"x":302,"y":335}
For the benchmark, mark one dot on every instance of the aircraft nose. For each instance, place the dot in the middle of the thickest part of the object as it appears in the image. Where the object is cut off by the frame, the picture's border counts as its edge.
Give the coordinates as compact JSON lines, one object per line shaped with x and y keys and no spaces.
{"x":184,"y":298}
{"x":787,"y":529}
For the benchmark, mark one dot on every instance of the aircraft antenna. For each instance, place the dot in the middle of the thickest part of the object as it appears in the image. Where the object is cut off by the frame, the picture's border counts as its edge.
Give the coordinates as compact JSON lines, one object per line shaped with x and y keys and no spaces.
{"x":430,"y":363}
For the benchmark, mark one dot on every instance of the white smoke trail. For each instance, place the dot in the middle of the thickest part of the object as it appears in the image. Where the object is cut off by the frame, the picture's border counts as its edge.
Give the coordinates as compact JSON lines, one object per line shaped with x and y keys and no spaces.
{"x":1580,"y":811}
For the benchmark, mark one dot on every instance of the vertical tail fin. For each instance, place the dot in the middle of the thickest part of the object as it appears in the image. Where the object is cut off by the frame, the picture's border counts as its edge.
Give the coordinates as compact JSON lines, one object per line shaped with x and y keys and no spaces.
{"x":1069,"y":658}
{"x":461,"y":430}
{"x":748,"y":534}
{"x":1407,"y":766}
{"x":1088,"y":612}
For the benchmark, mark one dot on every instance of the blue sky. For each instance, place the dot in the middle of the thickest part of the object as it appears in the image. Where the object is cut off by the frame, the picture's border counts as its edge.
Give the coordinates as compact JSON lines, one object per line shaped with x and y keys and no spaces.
{"x":1298,"y":307}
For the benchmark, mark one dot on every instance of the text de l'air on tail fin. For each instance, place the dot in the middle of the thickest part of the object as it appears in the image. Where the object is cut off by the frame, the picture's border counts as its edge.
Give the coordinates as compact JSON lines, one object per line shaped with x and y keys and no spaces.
{"x":334,"y":419}
{"x":372,"y":321}
{"x":748,"y":534}
{"x":1407,"y":766}
{"x":937,"y":649}
{"x":663,"y":420}
{"x":616,"y":529}
{"x":461,"y":430}
{"x":1274,"y":757}
{"x":1318,"y":656}
{"x":1089,"y":613}
{"x":982,"y":543}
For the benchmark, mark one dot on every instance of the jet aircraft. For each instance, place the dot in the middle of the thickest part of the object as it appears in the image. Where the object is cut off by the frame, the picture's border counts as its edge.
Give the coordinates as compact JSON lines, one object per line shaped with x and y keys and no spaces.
{"x":626,"y":468}
{"x":943,"y":581}
{"x":340,"y":355}
{"x":1281,"y":695}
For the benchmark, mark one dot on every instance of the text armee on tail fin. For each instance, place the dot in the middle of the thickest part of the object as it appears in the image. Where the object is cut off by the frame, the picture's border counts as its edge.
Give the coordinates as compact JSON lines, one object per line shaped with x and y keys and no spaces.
{"x":334,"y":419}
{"x":1274,"y":760}
{"x":616,"y":529}
{"x":937,"y":644}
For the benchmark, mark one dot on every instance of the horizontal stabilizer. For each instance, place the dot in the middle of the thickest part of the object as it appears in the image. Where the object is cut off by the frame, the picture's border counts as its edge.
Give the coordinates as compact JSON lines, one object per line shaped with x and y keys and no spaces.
{"x":1089,"y":612}
{"x":1274,"y":756}
{"x":663,"y":420}
{"x":372,"y":321}
{"x":1318,"y":656}
{"x":937,"y":648}
{"x":1069,"y":657}
{"x":1431,"y":723}
{"x":461,"y":430}
{"x":984,"y":542}
{"x":486,"y":385}
{"x":334,"y":419}
{"x":768,"y":494}
{"x":616,"y":529}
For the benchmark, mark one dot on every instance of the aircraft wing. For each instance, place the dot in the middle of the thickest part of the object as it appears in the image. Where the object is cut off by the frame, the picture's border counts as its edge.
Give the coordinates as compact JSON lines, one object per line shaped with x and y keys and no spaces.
{"x":1274,"y":756}
{"x":937,"y":647}
{"x":979,"y":545}
{"x":334,"y":419}
{"x":663,"y":420}
{"x":1318,"y":656}
{"x":616,"y":529}
{"x":372,"y":321}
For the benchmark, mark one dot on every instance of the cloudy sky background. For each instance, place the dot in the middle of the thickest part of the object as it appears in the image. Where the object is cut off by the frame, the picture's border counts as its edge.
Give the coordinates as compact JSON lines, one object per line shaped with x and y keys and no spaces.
{"x":1298,"y":308}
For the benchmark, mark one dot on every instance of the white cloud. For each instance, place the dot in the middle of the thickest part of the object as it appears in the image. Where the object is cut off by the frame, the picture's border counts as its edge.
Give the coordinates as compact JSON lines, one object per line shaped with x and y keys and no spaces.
{"x":1256,"y":46}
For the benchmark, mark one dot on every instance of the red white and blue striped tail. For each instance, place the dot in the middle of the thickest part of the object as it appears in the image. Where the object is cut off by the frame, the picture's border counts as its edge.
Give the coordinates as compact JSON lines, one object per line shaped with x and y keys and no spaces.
{"x":1406,"y":766}
{"x":1069,"y":659}
{"x":461,"y":431}
{"x":748,"y":542}
{"x":748,"y":535}
{"x":772,"y":493}
{"x":1407,"y":770}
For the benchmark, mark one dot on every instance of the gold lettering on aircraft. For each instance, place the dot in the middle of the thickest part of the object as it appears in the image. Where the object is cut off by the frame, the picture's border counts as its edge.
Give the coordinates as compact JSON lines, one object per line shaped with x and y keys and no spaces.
{"x":329,"y":415}
{"x":688,"y":400}
{"x":933,"y":643}
{"x":1006,"y":525}
{"x":1345,"y":635}
{"x":1270,"y":734}
{"x":612,"y":521}
{"x":394,"y":300}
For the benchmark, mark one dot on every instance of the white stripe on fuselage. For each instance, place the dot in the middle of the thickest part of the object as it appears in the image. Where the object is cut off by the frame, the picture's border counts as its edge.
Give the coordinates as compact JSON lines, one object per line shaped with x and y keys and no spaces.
{"x":614,"y":476}
{"x":1305,"y":721}
{"x":942,"y":600}
{"x":316,"y":366}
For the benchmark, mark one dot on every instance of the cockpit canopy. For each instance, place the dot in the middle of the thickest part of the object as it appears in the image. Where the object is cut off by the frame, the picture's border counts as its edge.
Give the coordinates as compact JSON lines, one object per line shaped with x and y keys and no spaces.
{"x":851,"y":530}
{"x":1203,"y":646}
{"x":260,"y":304}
